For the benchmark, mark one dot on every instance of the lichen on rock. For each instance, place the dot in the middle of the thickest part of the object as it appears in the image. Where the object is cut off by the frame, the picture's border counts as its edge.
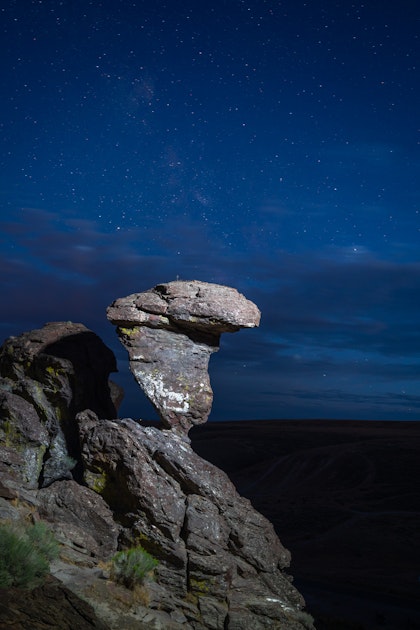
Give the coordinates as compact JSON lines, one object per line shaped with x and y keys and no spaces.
{"x":47,"y":376}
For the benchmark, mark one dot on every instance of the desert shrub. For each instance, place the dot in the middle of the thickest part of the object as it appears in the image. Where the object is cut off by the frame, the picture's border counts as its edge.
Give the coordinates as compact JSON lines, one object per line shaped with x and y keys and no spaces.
{"x":25,"y":555}
{"x":43,"y":540}
{"x":130,"y":567}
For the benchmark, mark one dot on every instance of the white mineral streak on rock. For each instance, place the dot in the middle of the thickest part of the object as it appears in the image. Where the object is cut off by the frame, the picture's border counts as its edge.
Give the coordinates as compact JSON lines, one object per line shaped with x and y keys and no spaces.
{"x":174,"y":401}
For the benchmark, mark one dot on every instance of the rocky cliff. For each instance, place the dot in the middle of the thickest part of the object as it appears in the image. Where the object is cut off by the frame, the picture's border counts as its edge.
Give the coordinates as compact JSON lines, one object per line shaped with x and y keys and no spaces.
{"x":104,"y":484}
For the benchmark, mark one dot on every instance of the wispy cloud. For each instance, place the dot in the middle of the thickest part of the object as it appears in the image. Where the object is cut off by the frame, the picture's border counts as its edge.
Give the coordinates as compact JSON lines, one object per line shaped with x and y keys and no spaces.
{"x":331,"y":320}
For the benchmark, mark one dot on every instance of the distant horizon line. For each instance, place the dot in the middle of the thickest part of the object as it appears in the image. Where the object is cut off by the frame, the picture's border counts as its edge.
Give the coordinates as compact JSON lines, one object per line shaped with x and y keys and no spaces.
{"x":311,"y":420}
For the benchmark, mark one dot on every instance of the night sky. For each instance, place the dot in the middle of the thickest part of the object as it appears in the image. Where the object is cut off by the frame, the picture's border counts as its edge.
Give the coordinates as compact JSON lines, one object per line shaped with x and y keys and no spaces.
{"x":268,"y":146}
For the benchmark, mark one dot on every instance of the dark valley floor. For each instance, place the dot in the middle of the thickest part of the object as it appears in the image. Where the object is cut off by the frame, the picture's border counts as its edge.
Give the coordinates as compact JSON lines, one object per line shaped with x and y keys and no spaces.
{"x":344,"y":497}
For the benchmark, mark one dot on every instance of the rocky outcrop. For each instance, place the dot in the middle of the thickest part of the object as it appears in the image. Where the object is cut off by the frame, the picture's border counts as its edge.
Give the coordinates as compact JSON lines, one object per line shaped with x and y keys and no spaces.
{"x":81,"y":520}
{"x":51,"y":605}
{"x":46,"y":377}
{"x":107,"y":484}
{"x":170,"y":332}
{"x":214,"y":550}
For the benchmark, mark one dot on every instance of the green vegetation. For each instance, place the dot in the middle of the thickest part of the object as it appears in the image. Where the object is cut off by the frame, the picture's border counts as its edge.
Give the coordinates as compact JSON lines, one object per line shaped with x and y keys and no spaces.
{"x":200,"y":586}
{"x":25,"y":555}
{"x":43,"y":540}
{"x":96,"y":481}
{"x":128,"y":331}
{"x":130,"y":567}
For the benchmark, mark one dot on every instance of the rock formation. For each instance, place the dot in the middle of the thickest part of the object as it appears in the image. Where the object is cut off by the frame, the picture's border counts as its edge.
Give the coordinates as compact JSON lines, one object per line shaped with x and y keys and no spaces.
{"x":170,"y":332}
{"x":221,"y":566}
{"x":46,"y":377}
{"x":48,"y":606}
{"x":214,"y":548}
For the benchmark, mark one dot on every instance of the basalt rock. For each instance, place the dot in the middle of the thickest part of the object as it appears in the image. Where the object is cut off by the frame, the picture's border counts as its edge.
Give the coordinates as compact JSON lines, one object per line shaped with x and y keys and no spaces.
{"x":80,"y":519}
{"x":50,"y":605}
{"x":220,"y":562}
{"x":221,"y":565}
{"x":170,"y":332}
{"x":46,"y":377}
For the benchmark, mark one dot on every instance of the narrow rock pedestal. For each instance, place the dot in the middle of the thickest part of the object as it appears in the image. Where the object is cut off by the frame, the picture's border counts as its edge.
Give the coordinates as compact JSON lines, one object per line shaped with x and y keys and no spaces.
{"x":170,"y":332}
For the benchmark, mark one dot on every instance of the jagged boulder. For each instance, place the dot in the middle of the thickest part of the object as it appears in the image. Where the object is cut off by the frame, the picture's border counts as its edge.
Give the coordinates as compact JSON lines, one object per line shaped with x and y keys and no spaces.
{"x":170,"y":333}
{"x":51,"y":605}
{"x":22,"y":431}
{"x":221,"y":562}
{"x":46,"y":377}
{"x":81,"y":520}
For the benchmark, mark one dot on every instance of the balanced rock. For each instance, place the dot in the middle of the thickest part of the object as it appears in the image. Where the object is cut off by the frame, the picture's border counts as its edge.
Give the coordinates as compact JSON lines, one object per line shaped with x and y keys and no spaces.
{"x":170,"y":332}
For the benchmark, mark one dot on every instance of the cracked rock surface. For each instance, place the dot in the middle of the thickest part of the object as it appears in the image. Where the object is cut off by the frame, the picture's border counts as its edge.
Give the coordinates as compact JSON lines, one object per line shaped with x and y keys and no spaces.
{"x":47,"y":376}
{"x":220,"y":561}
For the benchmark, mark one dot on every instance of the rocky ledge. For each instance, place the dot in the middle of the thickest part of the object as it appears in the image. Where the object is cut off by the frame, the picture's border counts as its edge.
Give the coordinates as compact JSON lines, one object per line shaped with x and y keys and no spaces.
{"x":104,"y":484}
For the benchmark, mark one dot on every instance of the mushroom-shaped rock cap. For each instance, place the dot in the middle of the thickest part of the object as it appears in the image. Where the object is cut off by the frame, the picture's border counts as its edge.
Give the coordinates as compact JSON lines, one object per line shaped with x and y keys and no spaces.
{"x":170,"y":332}
{"x":186,"y":304}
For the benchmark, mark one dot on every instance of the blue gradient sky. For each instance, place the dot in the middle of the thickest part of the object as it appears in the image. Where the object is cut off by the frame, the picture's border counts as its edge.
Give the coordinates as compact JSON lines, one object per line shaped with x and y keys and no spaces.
{"x":269,"y":146}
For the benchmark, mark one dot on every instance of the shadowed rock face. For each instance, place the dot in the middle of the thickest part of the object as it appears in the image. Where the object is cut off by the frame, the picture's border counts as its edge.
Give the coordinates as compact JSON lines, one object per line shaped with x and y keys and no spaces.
{"x":214,"y":549}
{"x":170,"y":332}
{"x":47,"y":376}
{"x":48,"y":606}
